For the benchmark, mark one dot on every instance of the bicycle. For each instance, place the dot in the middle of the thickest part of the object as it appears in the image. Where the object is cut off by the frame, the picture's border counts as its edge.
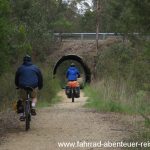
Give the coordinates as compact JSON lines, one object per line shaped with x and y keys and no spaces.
{"x":27,"y":107}
{"x":72,"y":90}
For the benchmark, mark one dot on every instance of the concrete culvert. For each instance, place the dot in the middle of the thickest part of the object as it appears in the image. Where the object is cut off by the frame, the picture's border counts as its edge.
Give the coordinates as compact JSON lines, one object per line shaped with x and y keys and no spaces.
{"x":64,"y":62}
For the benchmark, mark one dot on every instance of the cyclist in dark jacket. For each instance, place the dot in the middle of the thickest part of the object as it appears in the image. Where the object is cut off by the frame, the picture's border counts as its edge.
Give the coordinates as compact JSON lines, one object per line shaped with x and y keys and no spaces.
{"x":29,"y":75}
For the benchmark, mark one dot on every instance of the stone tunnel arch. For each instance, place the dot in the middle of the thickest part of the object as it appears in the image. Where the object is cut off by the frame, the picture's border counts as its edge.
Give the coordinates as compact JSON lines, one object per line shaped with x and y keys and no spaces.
{"x":78,"y":59}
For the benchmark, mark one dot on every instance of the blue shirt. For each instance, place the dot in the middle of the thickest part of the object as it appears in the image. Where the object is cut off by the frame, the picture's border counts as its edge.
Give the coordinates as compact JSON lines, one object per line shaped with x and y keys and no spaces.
{"x":72,"y":74}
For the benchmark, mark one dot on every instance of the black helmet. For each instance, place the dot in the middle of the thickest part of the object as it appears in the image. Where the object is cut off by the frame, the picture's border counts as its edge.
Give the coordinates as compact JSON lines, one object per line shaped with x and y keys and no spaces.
{"x":27,"y":58}
{"x":72,"y":65}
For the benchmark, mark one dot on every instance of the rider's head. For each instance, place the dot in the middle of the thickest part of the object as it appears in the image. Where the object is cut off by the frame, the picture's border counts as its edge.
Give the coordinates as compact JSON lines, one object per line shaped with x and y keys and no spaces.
{"x":72,"y":65}
{"x":27,"y":58}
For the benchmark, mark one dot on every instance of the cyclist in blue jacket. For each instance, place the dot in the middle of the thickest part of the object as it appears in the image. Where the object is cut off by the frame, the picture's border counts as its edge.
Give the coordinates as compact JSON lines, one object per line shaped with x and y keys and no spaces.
{"x":28,"y":75}
{"x":72,"y":73}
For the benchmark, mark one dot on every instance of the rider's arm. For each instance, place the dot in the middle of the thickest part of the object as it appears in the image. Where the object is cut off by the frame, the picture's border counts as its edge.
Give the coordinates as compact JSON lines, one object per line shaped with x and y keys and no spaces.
{"x":40,"y":79}
{"x":39,"y":75}
{"x":67,"y":73}
{"x":78,"y":73}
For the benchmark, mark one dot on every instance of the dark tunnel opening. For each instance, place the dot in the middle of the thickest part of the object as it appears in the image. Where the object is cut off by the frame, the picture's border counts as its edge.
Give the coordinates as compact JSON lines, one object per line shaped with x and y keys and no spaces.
{"x":79,"y":60}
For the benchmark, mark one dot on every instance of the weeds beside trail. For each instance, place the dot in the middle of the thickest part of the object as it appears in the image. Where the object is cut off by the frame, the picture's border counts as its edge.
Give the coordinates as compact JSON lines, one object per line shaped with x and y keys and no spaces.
{"x":48,"y":95}
{"x":107,"y":96}
{"x":122,"y":82}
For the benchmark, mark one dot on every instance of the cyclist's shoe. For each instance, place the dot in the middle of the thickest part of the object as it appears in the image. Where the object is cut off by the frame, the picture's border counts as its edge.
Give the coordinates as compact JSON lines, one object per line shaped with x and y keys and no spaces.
{"x":33,"y":112}
{"x":22,"y":118}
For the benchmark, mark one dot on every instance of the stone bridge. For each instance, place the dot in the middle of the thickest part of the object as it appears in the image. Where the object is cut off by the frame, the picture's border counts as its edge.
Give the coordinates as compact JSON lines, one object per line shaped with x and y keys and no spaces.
{"x":82,"y":51}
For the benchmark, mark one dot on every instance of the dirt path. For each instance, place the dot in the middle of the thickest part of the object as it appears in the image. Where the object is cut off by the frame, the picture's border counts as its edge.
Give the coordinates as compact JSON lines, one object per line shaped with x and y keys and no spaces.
{"x":66,"y":122}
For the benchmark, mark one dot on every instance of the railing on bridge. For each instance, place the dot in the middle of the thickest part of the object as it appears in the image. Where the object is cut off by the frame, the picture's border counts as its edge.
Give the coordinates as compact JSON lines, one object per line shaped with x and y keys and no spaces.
{"x":86,"y":36}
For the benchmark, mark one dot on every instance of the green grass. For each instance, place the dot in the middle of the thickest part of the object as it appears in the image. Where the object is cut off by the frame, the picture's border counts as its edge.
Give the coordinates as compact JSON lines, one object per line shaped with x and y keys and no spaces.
{"x":8,"y":92}
{"x":97,"y":102}
{"x":48,"y":95}
{"x":107,"y":96}
{"x":45,"y":103}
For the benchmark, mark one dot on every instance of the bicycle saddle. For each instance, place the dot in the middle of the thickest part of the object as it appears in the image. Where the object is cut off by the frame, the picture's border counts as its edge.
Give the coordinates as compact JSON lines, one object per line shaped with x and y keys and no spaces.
{"x":28,"y":88}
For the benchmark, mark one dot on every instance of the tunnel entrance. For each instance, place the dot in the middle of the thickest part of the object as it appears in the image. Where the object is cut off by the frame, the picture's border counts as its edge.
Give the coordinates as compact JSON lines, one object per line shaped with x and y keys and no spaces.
{"x":64,"y":63}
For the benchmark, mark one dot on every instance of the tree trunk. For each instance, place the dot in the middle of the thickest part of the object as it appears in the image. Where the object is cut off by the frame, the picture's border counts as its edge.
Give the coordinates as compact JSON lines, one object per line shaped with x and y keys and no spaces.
{"x":97,"y":22}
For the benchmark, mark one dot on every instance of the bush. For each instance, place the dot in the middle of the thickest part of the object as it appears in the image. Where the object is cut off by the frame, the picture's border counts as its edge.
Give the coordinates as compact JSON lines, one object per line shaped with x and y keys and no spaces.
{"x":8,"y":92}
{"x":123,"y":84}
{"x":51,"y":87}
{"x":126,"y":62}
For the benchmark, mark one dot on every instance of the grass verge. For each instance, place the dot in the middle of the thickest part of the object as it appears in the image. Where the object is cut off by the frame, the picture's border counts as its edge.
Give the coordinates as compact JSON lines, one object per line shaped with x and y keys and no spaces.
{"x":109,"y":96}
{"x":48,"y":95}
{"x":45,"y":103}
{"x":113,"y":97}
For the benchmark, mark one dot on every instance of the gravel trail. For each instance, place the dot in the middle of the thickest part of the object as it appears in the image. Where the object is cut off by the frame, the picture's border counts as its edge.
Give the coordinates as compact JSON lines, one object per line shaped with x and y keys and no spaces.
{"x":66,"y":122}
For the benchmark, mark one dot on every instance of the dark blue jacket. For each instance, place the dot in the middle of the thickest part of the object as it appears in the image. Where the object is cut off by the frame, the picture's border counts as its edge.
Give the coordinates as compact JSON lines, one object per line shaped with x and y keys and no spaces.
{"x":28,"y":75}
{"x":72,"y":74}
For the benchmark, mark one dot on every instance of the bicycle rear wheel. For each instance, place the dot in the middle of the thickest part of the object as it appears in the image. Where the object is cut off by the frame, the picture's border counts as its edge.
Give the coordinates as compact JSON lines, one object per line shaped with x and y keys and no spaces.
{"x":27,"y":116}
{"x":72,"y":94}
{"x":27,"y":122}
